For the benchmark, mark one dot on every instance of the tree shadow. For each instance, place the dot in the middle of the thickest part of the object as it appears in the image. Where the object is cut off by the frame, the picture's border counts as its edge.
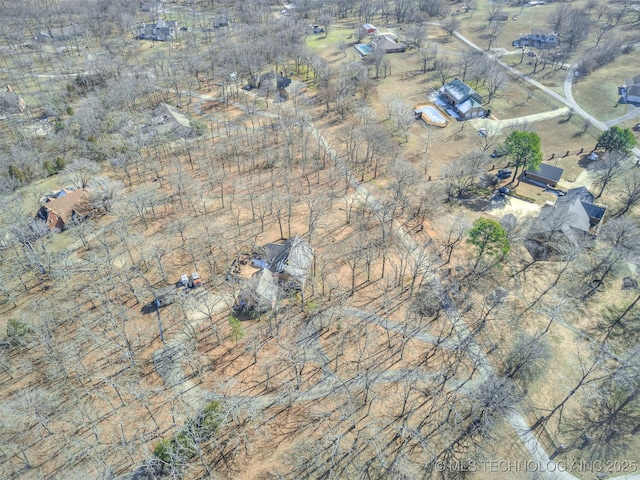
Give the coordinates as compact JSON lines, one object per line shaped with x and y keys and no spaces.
{"x":585,"y":162}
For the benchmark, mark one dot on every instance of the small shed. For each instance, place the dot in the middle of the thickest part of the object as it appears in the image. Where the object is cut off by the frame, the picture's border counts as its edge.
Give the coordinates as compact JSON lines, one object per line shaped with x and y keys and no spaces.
{"x":368,"y":29}
{"x":545,"y":174}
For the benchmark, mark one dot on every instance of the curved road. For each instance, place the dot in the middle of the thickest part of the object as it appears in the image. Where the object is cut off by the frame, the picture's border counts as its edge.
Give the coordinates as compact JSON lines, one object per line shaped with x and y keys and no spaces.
{"x":567,"y":100}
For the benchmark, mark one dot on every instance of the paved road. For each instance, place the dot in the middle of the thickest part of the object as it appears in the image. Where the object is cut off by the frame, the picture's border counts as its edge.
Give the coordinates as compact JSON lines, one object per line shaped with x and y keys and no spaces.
{"x":567,"y":100}
{"x":494,"y":126}
{"x":567,"y":88}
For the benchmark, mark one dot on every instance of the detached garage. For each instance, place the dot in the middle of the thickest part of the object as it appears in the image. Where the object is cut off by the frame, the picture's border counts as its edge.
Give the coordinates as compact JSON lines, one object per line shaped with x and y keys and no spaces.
{"x":545,"y":174}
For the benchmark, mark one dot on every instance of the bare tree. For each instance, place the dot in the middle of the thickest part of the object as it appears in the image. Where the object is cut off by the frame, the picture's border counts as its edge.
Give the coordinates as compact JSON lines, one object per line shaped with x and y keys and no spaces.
{"x":527,"y":358}
{"x":456,"y":231}
{"x":81,"y":172}
{"x":558,"y":18}
{"x":450,"y":25}
{"x":416,"y":34}
{"x":630,"y":194}
{"x":403,"y":9}
{"x":428,"y":54}
{"x":461,"y":175}
{"x":606,"y":170}
{"x":495,"y":30}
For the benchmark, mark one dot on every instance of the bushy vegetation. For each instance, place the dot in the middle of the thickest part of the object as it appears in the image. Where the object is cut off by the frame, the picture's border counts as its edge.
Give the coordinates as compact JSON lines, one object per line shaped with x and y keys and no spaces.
{"x":184,"y":444}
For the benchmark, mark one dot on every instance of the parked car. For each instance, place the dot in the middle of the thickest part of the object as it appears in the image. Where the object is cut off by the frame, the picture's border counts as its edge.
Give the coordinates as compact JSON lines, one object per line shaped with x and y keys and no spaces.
{"x":504,"y":173}
{"x":503,"y":190}
{"x":498,"y":152}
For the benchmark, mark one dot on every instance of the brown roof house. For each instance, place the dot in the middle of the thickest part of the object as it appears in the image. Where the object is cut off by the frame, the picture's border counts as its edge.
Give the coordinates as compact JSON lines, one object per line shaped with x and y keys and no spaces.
{"x":63,"y":207}
{"x":11,"y":102}
{"x":282,"y":268}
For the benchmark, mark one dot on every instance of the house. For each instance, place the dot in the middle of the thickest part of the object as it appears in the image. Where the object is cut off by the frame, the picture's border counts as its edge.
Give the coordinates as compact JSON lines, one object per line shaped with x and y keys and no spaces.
{"x":367,"y":29}
{"x":285,"y":86}
{"x":630,"y":91}
{"x":68,"y":32}
{"x":11,"y":102}
{"x":63,"y":207}
{"x":538,"y":40}
{"x":291,"y":260}
{"x":162,"y":31}
{"x":466,"y":102}
{"x":545,"y":175}
{"x":387,"y":44}
{"x":586,"y":198}
{"x":168,"y":120}
{"x":283,"y":267}
{"x":572,"y":220}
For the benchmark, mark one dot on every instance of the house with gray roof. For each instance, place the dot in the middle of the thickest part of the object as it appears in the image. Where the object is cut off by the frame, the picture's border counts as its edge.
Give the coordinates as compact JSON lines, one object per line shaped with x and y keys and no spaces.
{"x":387,"y":44}
{"x":162,"y":30}
{"x":537,"y":39}
{"x":283,"y":267}
{"x":168,"y":120}
{"x":285,"y":86}
{"x":572,"y":220}
{"x":466,"y":102}
{"x":11,"y":102}
{"x":630,"y":90}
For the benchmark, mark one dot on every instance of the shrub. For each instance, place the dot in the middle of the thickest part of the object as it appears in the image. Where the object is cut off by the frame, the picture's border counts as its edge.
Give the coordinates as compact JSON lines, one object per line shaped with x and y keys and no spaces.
{"x":164,"y":450}
{"x":17,"y":173}
{"x":182,"y":445}
{"x":17,"y":330}
{"x":49,"y":167}
{"x":199,"y":127}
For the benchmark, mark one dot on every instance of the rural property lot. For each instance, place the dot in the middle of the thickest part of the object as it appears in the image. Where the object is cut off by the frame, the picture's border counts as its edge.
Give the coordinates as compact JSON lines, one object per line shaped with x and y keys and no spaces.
{"x":371,"y":305}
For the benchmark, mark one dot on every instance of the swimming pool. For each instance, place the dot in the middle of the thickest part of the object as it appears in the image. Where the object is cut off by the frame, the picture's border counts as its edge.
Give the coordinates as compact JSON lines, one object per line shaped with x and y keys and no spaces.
{"x":431,"y":114}
{"x":363,"y":49}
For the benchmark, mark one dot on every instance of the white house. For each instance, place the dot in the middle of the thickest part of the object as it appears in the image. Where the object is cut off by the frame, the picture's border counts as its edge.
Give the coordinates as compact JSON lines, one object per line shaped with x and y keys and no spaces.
{"x":630,"y":91}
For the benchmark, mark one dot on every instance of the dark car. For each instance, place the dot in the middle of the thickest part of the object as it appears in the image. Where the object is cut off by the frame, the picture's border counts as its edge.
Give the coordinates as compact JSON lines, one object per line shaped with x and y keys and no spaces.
{"x":504,"y":173}
{"x":503,"y":190}
{"x":497,"y":153}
